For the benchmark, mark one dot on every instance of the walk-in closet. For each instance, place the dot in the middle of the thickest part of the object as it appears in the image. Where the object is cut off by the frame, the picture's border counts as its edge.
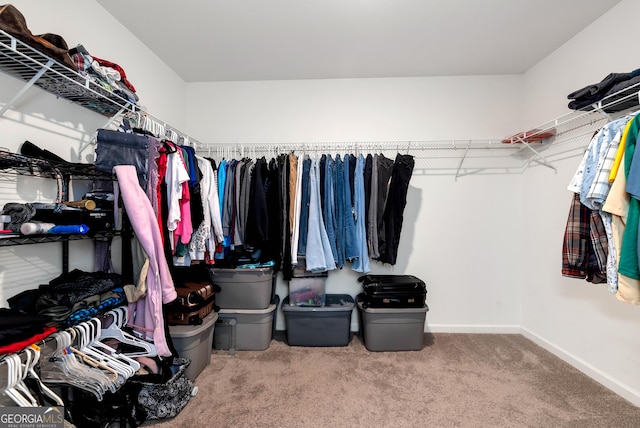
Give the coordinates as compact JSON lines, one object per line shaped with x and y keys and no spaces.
{"x":333,"y":150}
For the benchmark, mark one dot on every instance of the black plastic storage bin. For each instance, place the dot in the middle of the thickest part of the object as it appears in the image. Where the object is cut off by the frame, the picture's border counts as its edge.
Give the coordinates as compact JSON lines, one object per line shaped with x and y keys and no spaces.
{"x":328,"y":325}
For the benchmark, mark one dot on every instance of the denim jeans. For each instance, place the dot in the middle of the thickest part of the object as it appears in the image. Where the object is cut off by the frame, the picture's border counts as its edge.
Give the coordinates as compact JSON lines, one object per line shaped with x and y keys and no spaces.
{"x":329,"y":206}
{"x":349,"y":227}
{"x":340,"y":209}
{"x":361,"y":263}
{"x":319,"y":257}
{"x":304,"y":207}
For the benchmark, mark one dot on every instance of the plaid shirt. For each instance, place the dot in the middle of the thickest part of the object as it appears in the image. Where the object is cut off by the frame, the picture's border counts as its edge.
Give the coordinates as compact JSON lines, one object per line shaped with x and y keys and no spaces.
{"x":584,"y":250}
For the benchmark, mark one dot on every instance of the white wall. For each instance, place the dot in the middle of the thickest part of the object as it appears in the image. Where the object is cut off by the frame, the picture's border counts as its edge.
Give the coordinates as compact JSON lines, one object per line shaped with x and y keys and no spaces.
{"x":458,"y":235}
{"x":63,"y":127}
{"x":582,"y":322}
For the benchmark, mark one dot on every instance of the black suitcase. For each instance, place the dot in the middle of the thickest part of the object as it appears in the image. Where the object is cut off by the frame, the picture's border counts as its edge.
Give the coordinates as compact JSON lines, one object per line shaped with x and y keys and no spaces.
{"x":393,"y":291}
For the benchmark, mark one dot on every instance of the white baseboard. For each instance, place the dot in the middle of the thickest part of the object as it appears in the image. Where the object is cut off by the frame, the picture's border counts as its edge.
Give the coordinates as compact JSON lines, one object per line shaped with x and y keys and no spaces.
{"x":613,"y":384}
{"x":472,"y":328}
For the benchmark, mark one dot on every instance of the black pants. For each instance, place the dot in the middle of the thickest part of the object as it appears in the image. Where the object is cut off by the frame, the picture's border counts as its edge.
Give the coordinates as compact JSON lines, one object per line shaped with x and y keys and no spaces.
{"x":394,"y":208}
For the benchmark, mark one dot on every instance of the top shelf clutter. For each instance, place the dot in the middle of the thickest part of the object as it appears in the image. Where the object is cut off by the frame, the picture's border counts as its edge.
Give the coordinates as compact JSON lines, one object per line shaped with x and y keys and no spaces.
{"x":26,"y":63}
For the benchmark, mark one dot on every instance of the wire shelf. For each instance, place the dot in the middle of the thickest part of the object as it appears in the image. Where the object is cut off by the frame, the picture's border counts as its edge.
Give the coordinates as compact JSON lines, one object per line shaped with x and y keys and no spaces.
{"x":24,"y":62}
{"x":572,"y":133}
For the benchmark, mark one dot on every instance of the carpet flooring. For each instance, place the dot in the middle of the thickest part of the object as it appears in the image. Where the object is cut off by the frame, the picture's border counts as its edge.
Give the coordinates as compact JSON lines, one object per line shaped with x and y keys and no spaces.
{"x":456,"y":380}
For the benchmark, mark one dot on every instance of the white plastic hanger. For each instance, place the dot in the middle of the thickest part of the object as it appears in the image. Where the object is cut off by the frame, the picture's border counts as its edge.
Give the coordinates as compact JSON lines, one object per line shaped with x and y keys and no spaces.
{"x":122,"y":363}
{"x":60,"y":367}
{"x":31,"y":372}
{"x":16,"y":390}
{"x":113,"y":331}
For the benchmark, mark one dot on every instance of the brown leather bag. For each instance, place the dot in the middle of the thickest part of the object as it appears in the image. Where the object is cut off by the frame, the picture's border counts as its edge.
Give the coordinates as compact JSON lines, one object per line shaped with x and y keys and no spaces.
{"x":13,"y":22}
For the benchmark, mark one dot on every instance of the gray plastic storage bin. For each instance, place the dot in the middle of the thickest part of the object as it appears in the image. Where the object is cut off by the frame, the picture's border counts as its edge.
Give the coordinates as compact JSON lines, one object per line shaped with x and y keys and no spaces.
{"x":244,"y":288}
{"x":392,"y":329}
{"x":327,"y":325}
{"x":194,"y":342}
{"x":245,"y":329}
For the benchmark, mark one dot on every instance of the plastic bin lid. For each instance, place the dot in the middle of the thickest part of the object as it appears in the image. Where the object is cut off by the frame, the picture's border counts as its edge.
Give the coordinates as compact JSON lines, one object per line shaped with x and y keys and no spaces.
{"x":181,"y":331}
{"x":272,"y":307}
{"x":246,"y":271}
{"x":332,"y":302}
{"x":425,"y":308}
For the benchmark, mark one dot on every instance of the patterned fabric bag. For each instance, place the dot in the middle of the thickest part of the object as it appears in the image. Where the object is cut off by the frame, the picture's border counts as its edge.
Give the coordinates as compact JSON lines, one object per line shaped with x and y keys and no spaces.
{"x":166,"y":400}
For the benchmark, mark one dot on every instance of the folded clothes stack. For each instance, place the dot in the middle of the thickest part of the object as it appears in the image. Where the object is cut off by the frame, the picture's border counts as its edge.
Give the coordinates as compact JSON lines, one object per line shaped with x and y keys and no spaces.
{"x":617,"y":91}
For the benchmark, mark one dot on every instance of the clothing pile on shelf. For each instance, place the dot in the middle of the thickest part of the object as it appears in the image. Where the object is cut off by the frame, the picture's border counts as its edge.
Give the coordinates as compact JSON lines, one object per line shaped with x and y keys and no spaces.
{"x":107,"y":74}
{"x":72,"y":297}
{"x":601,"y":235}
{"x":617,"y":92}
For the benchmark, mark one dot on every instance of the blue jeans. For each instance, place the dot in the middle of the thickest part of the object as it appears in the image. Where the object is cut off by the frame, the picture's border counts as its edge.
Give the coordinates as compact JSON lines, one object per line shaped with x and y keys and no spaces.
{"x":304,"y":208}
{"x":329,"y":207}
{"x":361,"y":263}
{"x":319,"y":257}
{"x":349,"y":227}
{"x":340,"y":209}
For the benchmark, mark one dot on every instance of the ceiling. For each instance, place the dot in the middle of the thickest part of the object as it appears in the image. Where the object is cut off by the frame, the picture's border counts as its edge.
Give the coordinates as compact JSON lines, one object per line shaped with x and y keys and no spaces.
{"x":227,"y":40}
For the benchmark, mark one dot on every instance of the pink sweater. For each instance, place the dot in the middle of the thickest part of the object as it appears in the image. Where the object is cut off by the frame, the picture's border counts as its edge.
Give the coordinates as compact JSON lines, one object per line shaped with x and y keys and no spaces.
{"x":147,"y":312}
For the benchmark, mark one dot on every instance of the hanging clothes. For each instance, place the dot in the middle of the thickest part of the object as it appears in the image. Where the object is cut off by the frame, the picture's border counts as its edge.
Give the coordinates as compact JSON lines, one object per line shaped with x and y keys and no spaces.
{"x":617,"y":205}
{"x":147,"y":312}
{"x":349,"y":226}
{"x":329,"y":206}
{"x":205,"y":239}
{"x":392,"y":218}
{"x":361,"y":263}
{"x":319,"y":257}
{"x":297,"y":207}
{"x":601,"y":186}
{"x":304,"y":206}
{"x":591,"y":182}
{"x":584,"y":249}
{"x":266,"y":209}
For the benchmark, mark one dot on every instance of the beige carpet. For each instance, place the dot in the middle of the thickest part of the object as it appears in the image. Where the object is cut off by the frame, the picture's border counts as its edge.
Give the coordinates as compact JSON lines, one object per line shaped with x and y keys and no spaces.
{"x":457,"y":380}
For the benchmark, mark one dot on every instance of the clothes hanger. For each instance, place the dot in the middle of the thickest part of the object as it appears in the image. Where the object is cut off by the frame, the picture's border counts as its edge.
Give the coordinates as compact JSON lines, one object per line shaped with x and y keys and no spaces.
{"x":17,"y":390}
{"x":31,"y":372}
{"x":58,"y":366}
{"x":89,"y":362}
{"x":94,"y":358}
{"x":131,"y":365}
{"x":114,"y":332}
{"x":9,"y":390}
{"x":24,"y":370}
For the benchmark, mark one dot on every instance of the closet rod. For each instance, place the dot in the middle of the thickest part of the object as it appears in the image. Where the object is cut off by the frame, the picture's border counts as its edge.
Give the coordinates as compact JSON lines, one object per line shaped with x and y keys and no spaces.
{"x":400,"y":146}
{"x":140,"y":113}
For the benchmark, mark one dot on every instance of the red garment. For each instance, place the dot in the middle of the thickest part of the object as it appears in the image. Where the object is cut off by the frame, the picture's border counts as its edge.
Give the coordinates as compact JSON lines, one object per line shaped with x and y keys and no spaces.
{"x":162,"y":170}
{"x":19,"y":346}
{"x":123,"y":75}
